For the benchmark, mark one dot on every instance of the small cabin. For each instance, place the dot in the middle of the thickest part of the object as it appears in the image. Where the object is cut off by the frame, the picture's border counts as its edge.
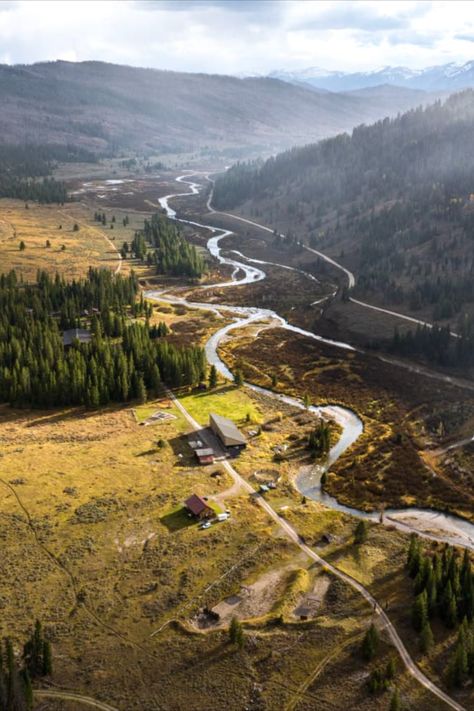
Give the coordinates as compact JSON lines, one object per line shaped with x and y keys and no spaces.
{"x":198,"y":507}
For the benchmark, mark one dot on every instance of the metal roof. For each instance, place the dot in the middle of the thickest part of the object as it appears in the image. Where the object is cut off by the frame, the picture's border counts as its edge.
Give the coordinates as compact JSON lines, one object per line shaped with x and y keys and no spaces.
{"x":196,"y":505}
{"x":72,"y":334}
{"x":227,"y":428}
{"x":204,"y":452}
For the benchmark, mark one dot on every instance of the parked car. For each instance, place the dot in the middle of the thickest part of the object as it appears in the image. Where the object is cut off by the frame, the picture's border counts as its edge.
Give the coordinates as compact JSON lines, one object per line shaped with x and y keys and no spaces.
{"x":205,"y":524}
{"x":222,"y":517}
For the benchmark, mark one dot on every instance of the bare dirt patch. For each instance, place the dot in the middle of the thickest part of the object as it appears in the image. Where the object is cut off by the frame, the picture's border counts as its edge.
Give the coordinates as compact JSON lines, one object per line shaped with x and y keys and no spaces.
{"x":253,"y":600}
{"x":311,"y":601}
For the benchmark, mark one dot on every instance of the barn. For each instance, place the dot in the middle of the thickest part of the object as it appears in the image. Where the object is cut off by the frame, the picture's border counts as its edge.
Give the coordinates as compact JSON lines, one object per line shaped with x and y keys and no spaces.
{"x":227,"y":432}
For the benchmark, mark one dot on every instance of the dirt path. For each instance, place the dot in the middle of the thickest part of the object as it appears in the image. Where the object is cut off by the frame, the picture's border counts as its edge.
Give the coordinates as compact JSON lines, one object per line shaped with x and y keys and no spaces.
{"x":383,"y":620}
{"x":321,"y":665}
{"x":71,"y":696}
{"x":104,"y":236}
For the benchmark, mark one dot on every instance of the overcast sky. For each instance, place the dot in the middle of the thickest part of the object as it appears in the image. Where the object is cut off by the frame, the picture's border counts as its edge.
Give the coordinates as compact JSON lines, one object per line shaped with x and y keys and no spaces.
{"x":238,"y":36}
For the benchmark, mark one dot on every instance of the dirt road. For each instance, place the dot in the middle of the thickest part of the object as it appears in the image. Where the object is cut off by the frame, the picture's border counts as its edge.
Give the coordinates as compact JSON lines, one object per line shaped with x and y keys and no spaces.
{"x":383,"y":619}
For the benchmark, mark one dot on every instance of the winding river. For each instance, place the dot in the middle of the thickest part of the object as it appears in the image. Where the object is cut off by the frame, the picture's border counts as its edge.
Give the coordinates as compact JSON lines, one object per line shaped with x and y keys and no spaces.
{"x":431,"y":524}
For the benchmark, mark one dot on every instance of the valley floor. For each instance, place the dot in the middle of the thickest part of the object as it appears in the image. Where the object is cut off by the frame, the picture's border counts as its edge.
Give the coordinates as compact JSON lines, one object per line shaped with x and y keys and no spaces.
{"x":97,"y":545}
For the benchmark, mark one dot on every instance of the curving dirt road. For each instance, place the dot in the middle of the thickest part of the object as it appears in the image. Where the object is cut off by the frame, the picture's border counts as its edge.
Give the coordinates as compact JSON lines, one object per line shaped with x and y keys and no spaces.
{"x":350,"y":275}
{"x":71,"y":696}
{"x":289,"y":531}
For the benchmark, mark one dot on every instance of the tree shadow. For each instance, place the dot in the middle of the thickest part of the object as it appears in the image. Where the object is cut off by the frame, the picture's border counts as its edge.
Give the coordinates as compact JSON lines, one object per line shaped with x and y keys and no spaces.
{"x":50,"y":417}
{"x":178,"y":519}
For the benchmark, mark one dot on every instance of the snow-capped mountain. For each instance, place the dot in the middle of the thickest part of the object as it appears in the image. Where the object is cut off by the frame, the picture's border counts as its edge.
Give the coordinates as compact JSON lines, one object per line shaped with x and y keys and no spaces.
{"x":445,"y":77}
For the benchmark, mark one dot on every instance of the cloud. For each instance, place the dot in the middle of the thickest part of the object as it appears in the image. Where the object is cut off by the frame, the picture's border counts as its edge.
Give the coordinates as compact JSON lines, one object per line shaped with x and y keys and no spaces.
{"x":237,"y":37}
{"x":264,"y":7}
{"x":350,"y":16}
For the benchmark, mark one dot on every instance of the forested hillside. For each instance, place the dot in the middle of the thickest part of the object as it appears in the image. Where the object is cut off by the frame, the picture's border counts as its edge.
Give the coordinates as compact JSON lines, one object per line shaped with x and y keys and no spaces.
{"x":105,"y":107}
{"x":24,"y":170}
{"x":124,"y":360}
{"x":393,"y":201}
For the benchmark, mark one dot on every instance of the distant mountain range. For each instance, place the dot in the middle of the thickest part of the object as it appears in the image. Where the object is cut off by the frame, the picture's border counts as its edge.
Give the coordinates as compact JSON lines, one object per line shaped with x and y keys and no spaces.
{"x":104,"y":107}
{"x":443,"y":78}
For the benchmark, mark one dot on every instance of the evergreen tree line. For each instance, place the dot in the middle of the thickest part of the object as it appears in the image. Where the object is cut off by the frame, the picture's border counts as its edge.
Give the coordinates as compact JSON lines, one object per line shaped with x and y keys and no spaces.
{"x":123,"y":361}
{"x":101,"y":292}
{"x":444,"y":590}
{"x":33,"y":161}
{"x":437,"y":345}
{"x":16,"y":676}
{"x":21,"y":166}
{"x":443,"y":586}
{"x":162,"y":245}
{"x":47,"y":190}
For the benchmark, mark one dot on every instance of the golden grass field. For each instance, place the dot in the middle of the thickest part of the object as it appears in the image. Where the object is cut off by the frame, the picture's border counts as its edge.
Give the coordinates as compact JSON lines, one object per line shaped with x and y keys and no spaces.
{"x":88,"y":247}
{"x":96,"y":545}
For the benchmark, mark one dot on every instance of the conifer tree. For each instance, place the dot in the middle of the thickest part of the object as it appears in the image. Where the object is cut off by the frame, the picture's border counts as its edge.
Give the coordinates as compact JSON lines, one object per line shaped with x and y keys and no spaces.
{"x":458,"y":666}
{"x":370,"y":643}
{"x":213,"y":377}
{"x":47,"y":668}
{"x":236,"y":634}
{"x":395,"y":703}
{"x":420,"y":611}
{"x":390,"y":669}
{"x":426,"y":639}
{"x":141,"y":390}
{"x":361,"y":532}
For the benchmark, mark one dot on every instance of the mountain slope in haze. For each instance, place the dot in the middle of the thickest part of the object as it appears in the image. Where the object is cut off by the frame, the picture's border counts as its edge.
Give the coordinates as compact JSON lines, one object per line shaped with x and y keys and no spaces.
{"x":101,"y":106}
{"x":393,"y":201}
{"x":445,"y":77}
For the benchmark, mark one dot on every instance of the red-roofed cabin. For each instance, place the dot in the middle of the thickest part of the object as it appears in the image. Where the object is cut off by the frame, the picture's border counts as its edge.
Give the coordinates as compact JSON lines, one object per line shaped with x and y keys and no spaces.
{"x":198,"y":507}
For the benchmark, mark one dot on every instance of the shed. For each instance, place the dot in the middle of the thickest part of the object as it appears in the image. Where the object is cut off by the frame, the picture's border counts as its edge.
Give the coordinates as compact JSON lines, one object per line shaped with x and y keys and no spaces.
{"x":198,"y":507}
{"x":76,"y":334}
{"x":204,"y":456}
{"x":228,"y":433}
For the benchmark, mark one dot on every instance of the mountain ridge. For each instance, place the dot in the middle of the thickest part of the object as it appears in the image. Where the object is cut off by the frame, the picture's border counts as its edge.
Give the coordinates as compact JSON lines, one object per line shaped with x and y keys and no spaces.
{"x":444,"y":77}
{"x":102,"y":107}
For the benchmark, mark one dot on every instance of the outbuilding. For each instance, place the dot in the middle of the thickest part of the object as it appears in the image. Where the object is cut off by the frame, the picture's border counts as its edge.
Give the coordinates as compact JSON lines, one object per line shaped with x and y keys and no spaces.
{"x":198,"y":507}
{"x":204,"y":456}
{"x":76,"y":334}
{"x":228,"y":433}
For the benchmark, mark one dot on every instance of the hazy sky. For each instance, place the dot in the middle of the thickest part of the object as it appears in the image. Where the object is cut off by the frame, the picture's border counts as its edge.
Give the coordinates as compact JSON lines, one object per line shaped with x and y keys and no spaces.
{"x":238,"y":36}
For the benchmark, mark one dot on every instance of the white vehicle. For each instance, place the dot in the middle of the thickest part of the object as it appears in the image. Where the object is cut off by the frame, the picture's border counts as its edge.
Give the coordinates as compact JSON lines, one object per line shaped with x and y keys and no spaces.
{"x":223,"y":516}
{"x":205,"y":524}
